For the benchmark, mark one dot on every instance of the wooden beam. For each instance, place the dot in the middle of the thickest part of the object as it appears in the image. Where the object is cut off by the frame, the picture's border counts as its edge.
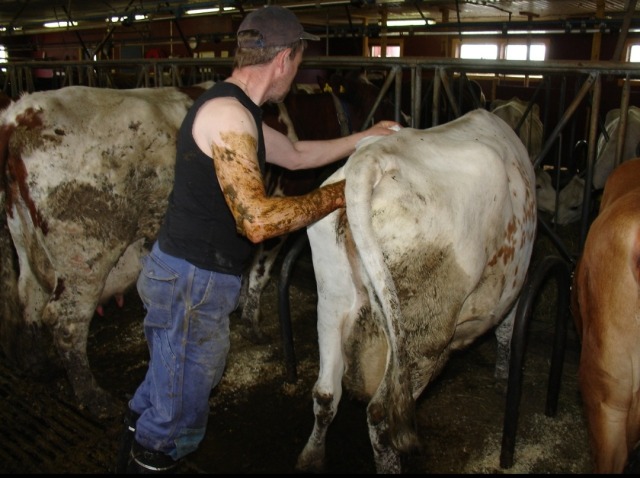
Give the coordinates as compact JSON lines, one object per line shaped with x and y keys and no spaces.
{"x":596,"y":41}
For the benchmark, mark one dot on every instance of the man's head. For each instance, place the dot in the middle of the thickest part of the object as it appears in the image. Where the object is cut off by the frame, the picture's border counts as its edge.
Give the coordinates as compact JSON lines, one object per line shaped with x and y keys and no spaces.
{"x":265,"y":32}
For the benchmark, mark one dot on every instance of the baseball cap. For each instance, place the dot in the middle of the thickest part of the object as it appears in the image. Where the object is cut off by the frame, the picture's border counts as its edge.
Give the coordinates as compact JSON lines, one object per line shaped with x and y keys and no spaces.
{"x":276,"y":26}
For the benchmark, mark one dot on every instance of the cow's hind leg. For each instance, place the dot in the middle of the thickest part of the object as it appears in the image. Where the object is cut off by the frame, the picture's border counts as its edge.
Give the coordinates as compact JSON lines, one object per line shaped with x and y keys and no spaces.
{"x":326,"y":396}
{"x":386,"y":457}
{"x":255,"y":282}
{"x":504,"y":332}
{"x":70,"y":335}
{"x":391,"y":421}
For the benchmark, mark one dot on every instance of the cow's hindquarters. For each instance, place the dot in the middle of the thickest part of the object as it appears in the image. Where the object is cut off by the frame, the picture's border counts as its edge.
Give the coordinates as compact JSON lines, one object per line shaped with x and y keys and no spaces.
{"x":607,"y":288}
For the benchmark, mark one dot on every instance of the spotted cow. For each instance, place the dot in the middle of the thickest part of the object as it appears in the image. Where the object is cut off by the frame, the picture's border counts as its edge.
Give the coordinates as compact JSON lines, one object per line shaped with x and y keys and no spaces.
{"x":605,"y":305}
{"x":86,"y":173}
{"x":430,"y":252}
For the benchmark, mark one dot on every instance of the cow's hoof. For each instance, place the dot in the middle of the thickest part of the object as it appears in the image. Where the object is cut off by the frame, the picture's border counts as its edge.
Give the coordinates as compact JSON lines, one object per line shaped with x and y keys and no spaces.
{"x":307,"y":464}
{"x":312,"y":458}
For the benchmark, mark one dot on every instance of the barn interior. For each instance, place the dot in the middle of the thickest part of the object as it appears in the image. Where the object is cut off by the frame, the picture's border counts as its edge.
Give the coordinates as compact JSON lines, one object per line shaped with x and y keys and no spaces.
{"x":588,"y":69}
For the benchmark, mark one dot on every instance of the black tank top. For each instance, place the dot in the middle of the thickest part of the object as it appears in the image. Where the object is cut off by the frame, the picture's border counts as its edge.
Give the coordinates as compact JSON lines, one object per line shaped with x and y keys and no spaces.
{"x":198,"y":225}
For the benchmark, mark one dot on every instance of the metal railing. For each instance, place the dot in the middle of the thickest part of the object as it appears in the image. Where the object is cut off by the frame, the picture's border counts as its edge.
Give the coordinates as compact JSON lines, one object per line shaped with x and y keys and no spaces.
{"x":401,"y":73}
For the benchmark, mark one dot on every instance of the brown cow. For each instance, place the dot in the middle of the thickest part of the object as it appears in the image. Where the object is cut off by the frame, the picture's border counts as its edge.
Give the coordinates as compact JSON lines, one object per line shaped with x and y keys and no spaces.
{"x":605,"y":306}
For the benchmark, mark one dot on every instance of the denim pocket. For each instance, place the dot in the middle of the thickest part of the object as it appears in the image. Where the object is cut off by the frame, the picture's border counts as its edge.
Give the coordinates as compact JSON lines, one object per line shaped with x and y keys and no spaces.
{"x":156,"y":285}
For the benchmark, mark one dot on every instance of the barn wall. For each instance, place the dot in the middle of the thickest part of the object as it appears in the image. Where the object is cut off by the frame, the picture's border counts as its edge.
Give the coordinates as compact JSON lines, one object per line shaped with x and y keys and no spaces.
{"x":215,"y":38}
{"x":215,"y":34}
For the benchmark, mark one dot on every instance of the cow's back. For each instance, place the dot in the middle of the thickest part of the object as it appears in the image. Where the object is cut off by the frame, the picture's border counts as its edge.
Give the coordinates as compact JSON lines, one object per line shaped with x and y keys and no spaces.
{"x":605,"y":305}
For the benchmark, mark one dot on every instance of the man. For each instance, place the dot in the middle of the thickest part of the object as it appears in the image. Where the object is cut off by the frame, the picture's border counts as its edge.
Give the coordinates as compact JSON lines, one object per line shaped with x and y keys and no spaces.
{"x":218,"y":210}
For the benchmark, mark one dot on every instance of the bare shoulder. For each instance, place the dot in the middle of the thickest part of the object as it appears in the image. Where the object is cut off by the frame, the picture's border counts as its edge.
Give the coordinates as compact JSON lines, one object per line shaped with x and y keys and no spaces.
{"x":219,"y":116}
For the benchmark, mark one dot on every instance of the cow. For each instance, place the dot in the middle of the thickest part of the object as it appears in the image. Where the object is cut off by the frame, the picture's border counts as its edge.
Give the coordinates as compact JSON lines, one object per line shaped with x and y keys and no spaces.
{"x":430,"y":252}
{"x":605,"y":160}
{"x":605,"y":305}
{"x":571,"y":196}
{"x":86,"y":173}
{"x":530,"y":131}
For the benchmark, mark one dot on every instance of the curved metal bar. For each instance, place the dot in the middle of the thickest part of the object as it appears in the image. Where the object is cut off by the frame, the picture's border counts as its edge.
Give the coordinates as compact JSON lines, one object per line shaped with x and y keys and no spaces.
{"x":549,"y":265}
{"x":284,"y":310}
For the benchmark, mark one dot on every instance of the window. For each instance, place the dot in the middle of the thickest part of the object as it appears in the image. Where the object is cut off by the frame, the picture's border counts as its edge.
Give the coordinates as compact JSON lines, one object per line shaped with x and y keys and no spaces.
{"x":535,"y":51}
{"x":391,"y":51}
{"x":634,"y":53}
{"x":501,"y":50}
{"x":4,"y":57}
{"x":393,"y":48}
{"x":479,"y":51}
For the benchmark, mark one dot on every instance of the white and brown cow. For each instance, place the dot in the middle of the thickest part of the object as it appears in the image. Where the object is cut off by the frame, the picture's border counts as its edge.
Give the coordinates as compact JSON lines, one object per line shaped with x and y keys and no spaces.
{"x":86,"y":173}
{"x":606,"y":311}
{"x":430,"y":253}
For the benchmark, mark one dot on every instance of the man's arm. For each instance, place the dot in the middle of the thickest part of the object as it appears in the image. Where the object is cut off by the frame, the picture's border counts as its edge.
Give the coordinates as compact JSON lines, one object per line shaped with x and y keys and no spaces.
{"x":230,"y":133}
{"x":257,"y":215}
{"x":314,"y":154}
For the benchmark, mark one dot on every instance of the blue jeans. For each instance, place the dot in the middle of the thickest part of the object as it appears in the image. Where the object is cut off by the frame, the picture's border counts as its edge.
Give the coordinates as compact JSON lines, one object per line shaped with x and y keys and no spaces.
{"x":187,"y":331}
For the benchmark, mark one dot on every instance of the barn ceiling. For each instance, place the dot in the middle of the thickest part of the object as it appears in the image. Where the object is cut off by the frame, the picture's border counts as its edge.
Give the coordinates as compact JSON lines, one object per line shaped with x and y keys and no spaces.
{"x":21,"y":16}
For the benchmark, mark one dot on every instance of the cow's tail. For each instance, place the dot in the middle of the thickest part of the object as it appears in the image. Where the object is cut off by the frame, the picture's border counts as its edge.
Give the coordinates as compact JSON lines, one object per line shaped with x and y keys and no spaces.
{"x":21,"y":342}
{"x":394,"y":398}
{"x":10,"y":312}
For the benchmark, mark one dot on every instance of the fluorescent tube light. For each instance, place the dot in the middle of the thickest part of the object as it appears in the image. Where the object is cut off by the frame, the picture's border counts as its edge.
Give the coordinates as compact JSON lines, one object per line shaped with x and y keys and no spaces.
{"x":200,"y":11}
{"x":420,"y":22}
{"x":60,"y":24}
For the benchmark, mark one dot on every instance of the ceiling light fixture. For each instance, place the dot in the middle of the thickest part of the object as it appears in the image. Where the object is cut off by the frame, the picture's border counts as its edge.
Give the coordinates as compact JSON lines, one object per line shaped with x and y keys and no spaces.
{"x":411,"y":23}
{"x":201,"y":11}
{"x":60,"y":24}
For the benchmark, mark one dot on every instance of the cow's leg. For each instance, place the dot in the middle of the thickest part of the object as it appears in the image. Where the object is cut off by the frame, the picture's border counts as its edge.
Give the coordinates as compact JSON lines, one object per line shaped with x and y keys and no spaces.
{"x":387,"y":400}
{"x":256,"y":280}
{"x":607,"y":398}
{"x":386,"y":457}
{"x":503,"y":332}
{"x":70,"y":327}
{"x":338,"y":306}
{"x":327,"y":392}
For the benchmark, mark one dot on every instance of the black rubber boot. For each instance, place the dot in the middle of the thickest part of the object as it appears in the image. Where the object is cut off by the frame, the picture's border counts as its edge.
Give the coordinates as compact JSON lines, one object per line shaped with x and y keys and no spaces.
{"x":143,"y":461}
{"x":126,"y":441}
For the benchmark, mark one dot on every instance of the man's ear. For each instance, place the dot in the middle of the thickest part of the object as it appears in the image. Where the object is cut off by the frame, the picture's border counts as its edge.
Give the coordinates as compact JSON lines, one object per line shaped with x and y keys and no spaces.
{"x":282,"y":57}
